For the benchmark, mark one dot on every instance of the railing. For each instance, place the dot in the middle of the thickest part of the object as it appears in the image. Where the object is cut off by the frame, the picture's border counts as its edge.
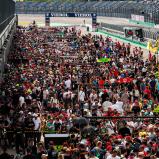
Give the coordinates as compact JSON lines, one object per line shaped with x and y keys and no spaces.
{"x":6,"y":31}
{"x":123,"y":117}
{"x":7,"y":10}
{"x":5,"y":43}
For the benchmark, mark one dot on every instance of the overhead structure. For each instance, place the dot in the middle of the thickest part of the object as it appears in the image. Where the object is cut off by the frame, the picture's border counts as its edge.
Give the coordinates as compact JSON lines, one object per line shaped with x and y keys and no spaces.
{"x":76,"y":15}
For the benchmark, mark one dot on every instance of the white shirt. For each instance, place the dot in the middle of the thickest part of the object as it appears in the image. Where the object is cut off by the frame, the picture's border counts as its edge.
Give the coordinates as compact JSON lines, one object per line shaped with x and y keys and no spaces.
{"x":69,"y":112}
{"x":21,"y":100}
{"x":109,"y":127}
{"x":81,"y":96}
{"x":111,"y":157}
{"x":94,"y":157}
{"x":45,"y":94}
{"x":37,"y":123}
{"x":144,"y":69}
{"x":68,"y":83}
{"x":67,"y":95}
{"x":121,"y":60}
{"x":137,"y":94}
{"x":93,"y":97}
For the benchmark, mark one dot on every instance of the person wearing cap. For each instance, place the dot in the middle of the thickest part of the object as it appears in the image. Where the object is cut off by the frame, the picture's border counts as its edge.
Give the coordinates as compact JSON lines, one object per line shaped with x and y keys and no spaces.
{"x":109,"y":149}
{"x":104,"y":96}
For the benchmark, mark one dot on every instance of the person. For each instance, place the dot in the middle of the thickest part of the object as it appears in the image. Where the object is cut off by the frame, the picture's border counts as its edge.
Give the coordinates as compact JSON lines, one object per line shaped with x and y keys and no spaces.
{"x":84,"y":21}
{"x":81,"y":99}
{"x":29,"y":155}
{"x":68,"y":83}
{"x":113,"y":155}
{"x":99,"y":152}
{"x":52,"y":153}
{"x":124,"y":130}
{"x":39,"y":74}
{"x":37,"y":127}
{"x":92,"y":155}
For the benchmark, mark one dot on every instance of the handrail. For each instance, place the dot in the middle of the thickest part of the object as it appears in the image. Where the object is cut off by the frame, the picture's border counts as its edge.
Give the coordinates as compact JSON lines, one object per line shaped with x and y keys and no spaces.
{"x":122,"y":117}
{"x":5,"y":20}
{"x":5,"y":32}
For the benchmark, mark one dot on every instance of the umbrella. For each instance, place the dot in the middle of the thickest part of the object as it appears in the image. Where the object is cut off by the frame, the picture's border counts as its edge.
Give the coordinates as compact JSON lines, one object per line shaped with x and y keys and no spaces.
{"x":80,"y":122}
{"x":106,"y":104}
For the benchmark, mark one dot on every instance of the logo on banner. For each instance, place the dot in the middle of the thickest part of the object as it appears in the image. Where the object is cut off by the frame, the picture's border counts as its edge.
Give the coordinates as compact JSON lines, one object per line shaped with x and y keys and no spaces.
{"x":94,"y":15}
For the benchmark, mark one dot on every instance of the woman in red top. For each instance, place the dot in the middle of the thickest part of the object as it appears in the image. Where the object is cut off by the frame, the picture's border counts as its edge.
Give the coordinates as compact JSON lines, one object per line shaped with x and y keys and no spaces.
{"x":147,"y":92}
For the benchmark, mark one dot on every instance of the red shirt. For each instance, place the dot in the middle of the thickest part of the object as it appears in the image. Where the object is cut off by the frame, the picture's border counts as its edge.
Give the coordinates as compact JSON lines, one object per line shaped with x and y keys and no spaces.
{"x":101,"y":84}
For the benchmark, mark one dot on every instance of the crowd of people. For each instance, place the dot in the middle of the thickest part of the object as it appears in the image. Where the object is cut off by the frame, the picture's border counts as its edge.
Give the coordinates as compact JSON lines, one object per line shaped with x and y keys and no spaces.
{"x":101,"y":92}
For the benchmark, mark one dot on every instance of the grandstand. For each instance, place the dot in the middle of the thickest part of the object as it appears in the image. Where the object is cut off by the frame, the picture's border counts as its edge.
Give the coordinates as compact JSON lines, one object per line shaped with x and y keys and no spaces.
{"x":138,"y":13}
{"x":121,"y":9}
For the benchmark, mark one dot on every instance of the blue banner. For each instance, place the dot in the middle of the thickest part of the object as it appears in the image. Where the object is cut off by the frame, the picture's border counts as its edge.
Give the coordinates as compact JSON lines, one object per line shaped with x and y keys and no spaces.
{"x":71,"y":15}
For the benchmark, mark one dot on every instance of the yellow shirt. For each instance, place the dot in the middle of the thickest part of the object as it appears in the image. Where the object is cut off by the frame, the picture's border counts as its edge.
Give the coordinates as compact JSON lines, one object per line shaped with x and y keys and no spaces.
{"x":143,"y":133}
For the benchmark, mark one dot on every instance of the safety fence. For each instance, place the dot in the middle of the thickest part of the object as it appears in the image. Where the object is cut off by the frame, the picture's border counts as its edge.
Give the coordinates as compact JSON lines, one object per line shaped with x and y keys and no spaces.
{"x":153,"y":119}
{"x":112,"y":34}
{"x":148,"y":33}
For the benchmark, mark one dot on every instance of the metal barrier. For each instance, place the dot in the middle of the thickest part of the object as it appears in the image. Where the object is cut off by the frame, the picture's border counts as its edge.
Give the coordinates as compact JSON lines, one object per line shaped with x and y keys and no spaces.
{"x":6,"y":31}
{"x":149,"y":33}
{"x":123,"y":117}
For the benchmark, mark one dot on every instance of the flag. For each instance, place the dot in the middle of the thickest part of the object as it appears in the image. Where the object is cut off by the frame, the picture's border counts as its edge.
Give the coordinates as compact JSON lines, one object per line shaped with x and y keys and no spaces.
{"x":152,"y":48}
{"x":125,"y":80}
{"x":104,"y":60}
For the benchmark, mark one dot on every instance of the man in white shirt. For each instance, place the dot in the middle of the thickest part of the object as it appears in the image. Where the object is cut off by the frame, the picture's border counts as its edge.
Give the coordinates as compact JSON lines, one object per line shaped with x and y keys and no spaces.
{"x":68,"y":83}
{"x":81,"y":98}
{"x":37,"y":122}
{"x":37,"y":126}
{"x":45,"y":94}
{"x":21,"y":100}
{"x":67,"y":98}
{"x":81,"y":95}
{"x":93,"y":96}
